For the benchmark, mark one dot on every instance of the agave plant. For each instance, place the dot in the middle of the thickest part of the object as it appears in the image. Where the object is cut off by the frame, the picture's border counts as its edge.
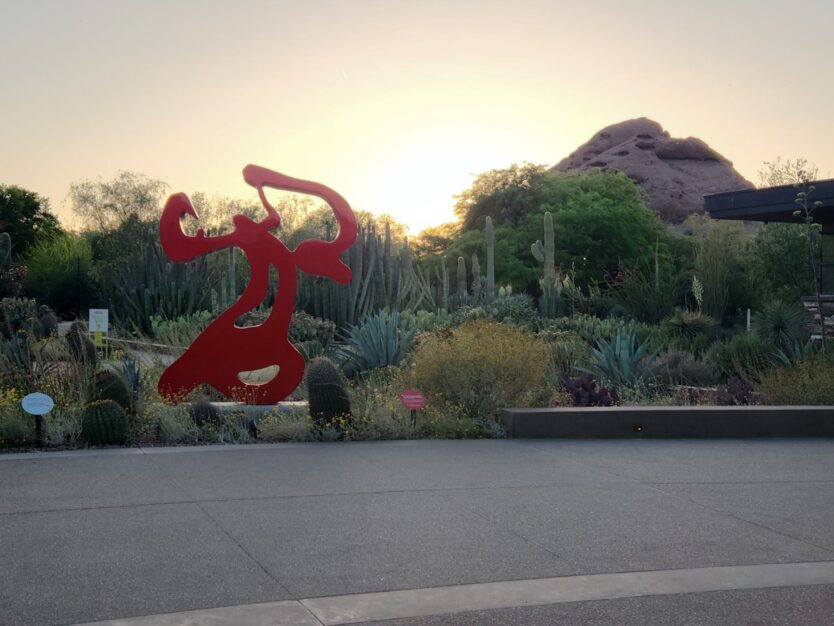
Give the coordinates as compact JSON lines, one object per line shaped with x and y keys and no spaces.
{"x":621,"y":362}
{"x":377,"y":342}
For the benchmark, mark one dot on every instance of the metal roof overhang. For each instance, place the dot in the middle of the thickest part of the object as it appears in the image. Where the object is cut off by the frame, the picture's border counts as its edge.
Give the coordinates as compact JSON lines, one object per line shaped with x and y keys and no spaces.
{"x":774,"y":204}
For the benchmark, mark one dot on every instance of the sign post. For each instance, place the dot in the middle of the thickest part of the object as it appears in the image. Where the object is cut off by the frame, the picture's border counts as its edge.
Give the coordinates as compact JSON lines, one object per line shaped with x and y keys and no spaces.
{"x":37,"y":404}
{"x":413,"y":400}
{"x":98,"y":325}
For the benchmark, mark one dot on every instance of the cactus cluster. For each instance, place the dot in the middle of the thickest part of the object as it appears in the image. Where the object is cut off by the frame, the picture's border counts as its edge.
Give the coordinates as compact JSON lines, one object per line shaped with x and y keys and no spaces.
{"x":104,"y":423}
{"x":326,"y":392}
{"x":380,"y":278}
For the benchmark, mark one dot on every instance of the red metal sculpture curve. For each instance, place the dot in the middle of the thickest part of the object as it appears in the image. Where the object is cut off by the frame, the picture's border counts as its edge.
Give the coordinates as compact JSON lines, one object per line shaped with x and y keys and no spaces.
{"x":224,"y":350}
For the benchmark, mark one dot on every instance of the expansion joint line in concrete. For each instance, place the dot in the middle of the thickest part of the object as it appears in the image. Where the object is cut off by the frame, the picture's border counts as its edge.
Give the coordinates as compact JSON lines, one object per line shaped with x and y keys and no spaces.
{"x":410,"y":603}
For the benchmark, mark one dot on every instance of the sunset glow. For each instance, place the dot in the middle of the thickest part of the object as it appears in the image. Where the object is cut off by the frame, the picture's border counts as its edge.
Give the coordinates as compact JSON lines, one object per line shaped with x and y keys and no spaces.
{"x":395,"y":105}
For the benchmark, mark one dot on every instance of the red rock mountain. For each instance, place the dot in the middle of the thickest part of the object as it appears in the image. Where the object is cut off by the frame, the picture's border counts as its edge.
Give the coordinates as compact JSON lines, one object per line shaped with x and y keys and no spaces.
{"x":675,"y":173}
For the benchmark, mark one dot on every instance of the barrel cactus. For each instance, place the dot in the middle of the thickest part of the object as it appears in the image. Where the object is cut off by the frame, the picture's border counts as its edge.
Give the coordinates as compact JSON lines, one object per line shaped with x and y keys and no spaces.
{"x":108,"y":385}
{"x":104,"y":423}
{"x":326,"y":391}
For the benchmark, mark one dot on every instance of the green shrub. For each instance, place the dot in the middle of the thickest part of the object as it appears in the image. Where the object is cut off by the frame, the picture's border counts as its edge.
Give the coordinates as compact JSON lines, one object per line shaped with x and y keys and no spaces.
{"x":479,"y":367}
{"x":647,"y":296}
{"x":568,"y":349}
{"x":807,"y":382}
{"x":180,"y":331}
{"x":423,"y":321}
{"x":16,"y":314}
{"x":678,"y":367}
{"x":744,"y":355}
{"x":204,"y":413}
{"x":691,"y":331}
{"x":516,"y":309}
{"x":327,"y":395}
{"x":104,"y":423}
{"x":15,"y":427}
{"x":171,"y":424}
{"x":59,"y":274}
{"x":282,"y":424}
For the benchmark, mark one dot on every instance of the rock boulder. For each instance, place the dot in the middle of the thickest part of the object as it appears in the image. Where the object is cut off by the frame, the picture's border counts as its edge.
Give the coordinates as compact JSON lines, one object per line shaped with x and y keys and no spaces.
{"x":675,"y":174}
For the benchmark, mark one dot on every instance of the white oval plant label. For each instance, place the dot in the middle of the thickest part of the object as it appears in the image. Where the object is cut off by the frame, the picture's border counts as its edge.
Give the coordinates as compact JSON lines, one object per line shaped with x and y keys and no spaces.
{"x":37,"y":403}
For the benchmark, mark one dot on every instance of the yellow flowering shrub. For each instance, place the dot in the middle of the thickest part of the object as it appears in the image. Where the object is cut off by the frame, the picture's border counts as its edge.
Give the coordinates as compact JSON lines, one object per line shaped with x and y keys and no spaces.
{"x":479,"y":367}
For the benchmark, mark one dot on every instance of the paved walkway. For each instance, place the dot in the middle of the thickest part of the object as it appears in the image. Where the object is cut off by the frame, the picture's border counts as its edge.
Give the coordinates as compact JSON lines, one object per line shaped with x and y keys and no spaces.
{"x":430,"y":532}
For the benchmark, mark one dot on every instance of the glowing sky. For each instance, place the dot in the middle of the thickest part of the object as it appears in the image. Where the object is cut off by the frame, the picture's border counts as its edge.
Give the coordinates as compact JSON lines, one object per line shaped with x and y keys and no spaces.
{"x":396,"y":104}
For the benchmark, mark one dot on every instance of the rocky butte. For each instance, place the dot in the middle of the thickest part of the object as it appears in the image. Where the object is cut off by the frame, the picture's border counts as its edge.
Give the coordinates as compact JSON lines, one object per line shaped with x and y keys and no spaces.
{"x":675,"y":174}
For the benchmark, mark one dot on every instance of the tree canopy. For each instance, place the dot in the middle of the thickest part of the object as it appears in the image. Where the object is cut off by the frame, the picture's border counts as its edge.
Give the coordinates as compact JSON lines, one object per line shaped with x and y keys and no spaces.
{"x":26,"y":217}
{"x":506,"y":195}
{"x":104,"y":205}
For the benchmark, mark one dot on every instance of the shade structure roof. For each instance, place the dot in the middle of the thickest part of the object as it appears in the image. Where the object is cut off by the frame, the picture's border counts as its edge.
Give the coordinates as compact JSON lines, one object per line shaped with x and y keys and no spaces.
{"x":774,"y":204}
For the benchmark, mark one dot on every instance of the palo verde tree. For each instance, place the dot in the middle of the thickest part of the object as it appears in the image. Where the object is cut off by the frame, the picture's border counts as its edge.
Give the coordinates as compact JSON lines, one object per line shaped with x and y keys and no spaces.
{"x":105,"y":205}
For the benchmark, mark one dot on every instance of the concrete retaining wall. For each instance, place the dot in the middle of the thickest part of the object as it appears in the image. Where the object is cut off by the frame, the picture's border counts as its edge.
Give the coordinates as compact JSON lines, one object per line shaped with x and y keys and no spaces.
{"x":634,"y":422}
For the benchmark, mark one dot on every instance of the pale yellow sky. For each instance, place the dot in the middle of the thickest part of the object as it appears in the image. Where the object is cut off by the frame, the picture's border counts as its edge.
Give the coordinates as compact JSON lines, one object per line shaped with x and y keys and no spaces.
{"x":396,"y":104}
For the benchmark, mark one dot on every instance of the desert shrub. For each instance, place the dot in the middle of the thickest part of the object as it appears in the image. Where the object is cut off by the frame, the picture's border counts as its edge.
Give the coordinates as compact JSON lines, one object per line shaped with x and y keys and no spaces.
{"x":306,"y":328}
{"x":283,"y":424}
{"x":592,"y":328}
{"x":735,"y":392}
{"x":647,"y":296}
{"x":180,"y":331}
{"x":516,"y":309}
{"x":231,"y":427}
{"x":622,"y":361}
{"x":423,"y":321}
{"x":204,"y":413}
{"x":781,"y":326}
{"x":479,"y":367}
{"x":62,"y":426}
{"x":744,"y":355}
{"x":568,"y":349}
{"x":807,"y":382}
{"x":583,"y":391}
{"x":171,"y":424}
{"x":678,"y":367}
{"x":15,"y":426}
{"x":16,"y":314}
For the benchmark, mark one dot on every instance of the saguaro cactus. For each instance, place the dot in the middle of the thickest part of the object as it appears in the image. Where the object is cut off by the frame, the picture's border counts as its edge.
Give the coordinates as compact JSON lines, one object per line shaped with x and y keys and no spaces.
{"x":476,"y":278}
{"x":552,"y":282}
{"x":490,"y":246}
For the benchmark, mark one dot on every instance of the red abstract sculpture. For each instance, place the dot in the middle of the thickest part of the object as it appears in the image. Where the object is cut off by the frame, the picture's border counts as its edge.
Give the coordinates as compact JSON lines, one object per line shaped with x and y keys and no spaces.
{"x":224,"y":350}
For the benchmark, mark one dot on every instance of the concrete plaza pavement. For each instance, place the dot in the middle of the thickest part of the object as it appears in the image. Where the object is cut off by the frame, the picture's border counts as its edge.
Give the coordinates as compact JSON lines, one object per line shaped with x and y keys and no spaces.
{"x":422,"y":532}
